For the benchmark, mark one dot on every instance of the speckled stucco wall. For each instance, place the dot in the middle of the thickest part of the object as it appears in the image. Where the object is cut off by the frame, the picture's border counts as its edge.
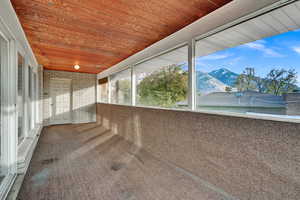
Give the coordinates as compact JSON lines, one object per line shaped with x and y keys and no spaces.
{"x":249,"y":159}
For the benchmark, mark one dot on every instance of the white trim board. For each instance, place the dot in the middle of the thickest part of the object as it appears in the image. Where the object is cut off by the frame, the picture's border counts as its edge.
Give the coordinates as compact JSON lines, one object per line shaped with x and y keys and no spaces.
{"x":225,"y":15}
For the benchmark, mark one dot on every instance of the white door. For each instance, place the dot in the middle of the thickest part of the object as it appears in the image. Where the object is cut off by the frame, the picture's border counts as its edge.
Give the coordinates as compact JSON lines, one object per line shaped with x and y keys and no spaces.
{"x":61,"y":106}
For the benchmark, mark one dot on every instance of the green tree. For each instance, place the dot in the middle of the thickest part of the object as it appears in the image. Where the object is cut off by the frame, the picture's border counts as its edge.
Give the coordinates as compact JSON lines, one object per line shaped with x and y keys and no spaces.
{"x":280,"y":81}
{"x":260,"y":84}
{"x":228,"y":89}
{"x":246,"y":81}
{"x":124,"y":91}
{"x":164,"y":87}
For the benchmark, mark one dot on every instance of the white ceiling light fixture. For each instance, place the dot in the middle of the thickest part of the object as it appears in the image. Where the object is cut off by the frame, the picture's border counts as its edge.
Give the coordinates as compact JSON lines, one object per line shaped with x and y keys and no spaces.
{"x":77,"y":67}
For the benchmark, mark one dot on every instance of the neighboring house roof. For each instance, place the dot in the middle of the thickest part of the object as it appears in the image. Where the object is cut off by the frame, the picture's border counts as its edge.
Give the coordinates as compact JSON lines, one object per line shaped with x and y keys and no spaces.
{"x":244,"y":99}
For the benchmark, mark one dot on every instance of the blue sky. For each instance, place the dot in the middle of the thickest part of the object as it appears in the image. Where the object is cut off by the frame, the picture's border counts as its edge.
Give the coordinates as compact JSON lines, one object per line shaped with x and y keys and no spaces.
{"x":281,"y":51}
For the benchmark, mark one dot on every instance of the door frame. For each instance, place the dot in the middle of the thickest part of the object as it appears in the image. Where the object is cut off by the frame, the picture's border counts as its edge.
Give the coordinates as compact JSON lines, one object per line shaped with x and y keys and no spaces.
{"x":52,"y":105}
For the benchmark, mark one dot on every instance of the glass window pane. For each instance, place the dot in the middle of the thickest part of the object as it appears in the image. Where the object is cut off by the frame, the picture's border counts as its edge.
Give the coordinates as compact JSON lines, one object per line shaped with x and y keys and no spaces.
{"x":3,"y":134}
{"x":253,"y":77}
{"x":30,"y":117}
{"x":103,"y":90}
{"x":34,"y":98}
{"x":163,"y":81}
{"x":120,"y":85}
{"x":20,"y":97}
{"x":1,"y":66}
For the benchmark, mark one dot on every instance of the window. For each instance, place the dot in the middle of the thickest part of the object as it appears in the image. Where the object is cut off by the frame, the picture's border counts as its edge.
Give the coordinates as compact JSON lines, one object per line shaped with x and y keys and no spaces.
{"x":7,"y":118}
{"x":163,"y":81}
{"x":3,"y":61}
{"x":250,"y":69}
{"x":30,"y":99}
{"x":20,"y":101}
{"x":103,"y":90}
{"x":120,"y":86}
{"x":35,"y":97}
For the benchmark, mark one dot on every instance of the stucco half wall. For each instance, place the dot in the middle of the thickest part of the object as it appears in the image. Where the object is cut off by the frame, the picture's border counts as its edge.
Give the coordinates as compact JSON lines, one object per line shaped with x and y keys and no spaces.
{"x":245,"y":158}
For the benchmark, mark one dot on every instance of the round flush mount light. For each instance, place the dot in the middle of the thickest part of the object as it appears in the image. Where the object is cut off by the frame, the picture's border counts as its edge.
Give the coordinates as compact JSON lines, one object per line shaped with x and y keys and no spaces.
{"x":76,"y":67}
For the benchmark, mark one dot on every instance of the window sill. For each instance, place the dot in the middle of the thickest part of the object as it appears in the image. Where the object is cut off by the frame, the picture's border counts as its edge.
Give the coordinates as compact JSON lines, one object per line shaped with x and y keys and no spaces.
{"x":270,"y":117}
{"x":249,"y":115}
{"x":27,"y":146}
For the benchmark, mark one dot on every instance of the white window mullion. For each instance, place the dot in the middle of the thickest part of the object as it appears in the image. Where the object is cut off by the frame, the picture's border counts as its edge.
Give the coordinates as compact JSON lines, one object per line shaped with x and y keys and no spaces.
{"x":109,"y":90}
{"x":133,"y":87}
{"x":32,"y":100}
{"x":26,"y":99}
{"x":192,"y":76}
{"x":35,"y":100}
{"x":98,"y":92}
{"x":40,"y":94}
{"x":37,"y":97}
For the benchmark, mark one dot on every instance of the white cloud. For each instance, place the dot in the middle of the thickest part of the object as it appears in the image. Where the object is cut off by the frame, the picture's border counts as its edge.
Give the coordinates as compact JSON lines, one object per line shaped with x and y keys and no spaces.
{"x":215,"y":57}
{"x":199,"y":62}
{"x":260,"y":46}
{"x":296,"y":49}
{"x":235,"y":60}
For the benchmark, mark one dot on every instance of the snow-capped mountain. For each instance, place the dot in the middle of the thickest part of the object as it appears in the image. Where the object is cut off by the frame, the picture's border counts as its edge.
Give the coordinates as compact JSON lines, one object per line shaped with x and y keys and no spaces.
{"x":207,"y":83}
{"x":225,"y":76}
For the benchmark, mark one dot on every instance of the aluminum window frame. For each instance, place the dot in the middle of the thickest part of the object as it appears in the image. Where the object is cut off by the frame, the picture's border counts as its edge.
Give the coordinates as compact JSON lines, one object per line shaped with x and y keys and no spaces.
{"x":242,"y":20}
{"x":35,"y":98}
{"x":192,"y":71}
{"x":100,"y":91}
{"x":190,"y":66}
{"x":32,"y":114}
{"x":110,"y":86}
{"x":8,"y":103}
{"x":22,"y":53}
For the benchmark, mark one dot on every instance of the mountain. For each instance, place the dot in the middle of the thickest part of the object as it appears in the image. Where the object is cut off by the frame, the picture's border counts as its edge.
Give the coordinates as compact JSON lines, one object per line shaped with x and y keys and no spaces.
{"x":225,"y":76}
{"x":207,"y":83}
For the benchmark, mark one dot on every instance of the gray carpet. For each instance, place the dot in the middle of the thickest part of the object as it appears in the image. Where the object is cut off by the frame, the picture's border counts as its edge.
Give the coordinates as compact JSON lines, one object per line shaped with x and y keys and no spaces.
{"x":88,"y":162}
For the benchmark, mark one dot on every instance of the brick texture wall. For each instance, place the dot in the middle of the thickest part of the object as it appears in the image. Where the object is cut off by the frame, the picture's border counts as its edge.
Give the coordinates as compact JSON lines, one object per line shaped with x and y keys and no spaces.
{"x":83,"y":95}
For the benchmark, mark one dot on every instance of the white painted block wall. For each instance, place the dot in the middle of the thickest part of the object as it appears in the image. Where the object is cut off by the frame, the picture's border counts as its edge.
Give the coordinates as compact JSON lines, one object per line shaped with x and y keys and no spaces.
{"x":83,"y":95}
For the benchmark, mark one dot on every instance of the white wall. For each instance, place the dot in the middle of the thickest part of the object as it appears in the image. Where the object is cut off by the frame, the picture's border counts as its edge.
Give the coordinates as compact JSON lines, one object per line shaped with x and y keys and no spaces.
{"x":83,"y":96}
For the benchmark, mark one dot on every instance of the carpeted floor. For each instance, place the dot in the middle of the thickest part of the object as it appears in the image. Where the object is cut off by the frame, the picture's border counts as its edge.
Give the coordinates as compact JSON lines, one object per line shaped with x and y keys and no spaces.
{"x":87,"y":162}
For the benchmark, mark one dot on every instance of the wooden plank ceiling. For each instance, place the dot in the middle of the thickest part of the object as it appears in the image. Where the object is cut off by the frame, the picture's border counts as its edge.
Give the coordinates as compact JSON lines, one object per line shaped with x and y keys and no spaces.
{"x":97,"y":34}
